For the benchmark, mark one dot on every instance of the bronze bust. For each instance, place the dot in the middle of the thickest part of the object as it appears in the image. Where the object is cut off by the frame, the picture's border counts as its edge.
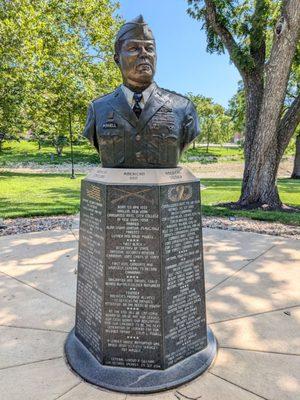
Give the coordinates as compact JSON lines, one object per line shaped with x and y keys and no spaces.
{"x":140,"y":125}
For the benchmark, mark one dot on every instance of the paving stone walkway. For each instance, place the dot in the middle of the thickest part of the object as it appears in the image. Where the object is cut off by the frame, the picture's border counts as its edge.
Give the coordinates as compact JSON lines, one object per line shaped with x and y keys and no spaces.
{"x":253,"y":305}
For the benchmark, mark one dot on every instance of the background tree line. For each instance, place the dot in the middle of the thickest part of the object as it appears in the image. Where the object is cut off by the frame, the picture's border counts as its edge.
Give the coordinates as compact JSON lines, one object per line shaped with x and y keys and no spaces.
{"x":217,"y":124}
{"x":55,"y":56}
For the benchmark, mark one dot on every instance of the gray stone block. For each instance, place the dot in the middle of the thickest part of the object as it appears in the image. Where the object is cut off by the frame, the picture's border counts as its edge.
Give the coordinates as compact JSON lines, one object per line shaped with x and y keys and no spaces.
{"x":140,"y":292}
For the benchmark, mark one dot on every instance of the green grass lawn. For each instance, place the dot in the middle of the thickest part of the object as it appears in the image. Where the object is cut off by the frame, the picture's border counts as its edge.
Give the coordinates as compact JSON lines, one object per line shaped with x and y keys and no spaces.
{"x":228,"y":190}
{"x":24,"y":194}
{"x":27,"y":152}
{"x":213,"y":155}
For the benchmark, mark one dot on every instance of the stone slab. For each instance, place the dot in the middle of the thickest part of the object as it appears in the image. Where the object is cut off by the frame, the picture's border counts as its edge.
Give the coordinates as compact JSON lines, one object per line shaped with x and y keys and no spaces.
{"x":277,"y":331}
{"x":21,"y":305}
{"x":272,"y":376}
{"x":210,"y":387}
{"x":133,"y":176}
{"x":167,"y":395}
{"x":46,"y":380}
{"x":225,"y":254}
{"x":19,"y":346}
{"x":269,"y":283}
{"x":85,"y":391}
{"x":42,"y":258}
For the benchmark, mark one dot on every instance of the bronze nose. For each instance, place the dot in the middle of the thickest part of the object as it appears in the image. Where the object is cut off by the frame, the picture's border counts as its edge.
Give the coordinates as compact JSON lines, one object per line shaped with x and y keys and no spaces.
{"x":138,"y":138}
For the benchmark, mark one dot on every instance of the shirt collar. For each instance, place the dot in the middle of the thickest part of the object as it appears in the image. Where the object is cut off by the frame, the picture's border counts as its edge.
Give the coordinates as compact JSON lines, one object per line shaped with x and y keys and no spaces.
{"x":146,"y":93}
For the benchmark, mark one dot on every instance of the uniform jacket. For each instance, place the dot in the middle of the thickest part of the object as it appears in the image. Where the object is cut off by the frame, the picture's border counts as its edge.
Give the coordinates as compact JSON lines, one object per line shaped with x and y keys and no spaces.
{"x":167,"y":124}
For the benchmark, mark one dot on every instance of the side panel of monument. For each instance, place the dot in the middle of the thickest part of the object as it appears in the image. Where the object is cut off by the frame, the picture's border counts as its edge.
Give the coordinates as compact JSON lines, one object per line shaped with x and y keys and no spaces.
{"x":182,"y":263}
{"x":91,"y":264}
{"x":132,"y":299}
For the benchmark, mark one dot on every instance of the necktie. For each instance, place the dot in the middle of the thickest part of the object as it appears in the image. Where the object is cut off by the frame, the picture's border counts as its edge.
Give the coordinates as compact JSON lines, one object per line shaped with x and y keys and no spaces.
{"x":137,"y":97}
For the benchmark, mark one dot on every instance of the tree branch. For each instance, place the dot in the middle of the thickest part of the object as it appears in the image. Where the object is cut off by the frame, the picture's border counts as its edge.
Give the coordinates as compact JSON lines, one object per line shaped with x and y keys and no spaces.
{"x":257,"y":34}
{"x":288,"y":125}
{"x":235,"y":52}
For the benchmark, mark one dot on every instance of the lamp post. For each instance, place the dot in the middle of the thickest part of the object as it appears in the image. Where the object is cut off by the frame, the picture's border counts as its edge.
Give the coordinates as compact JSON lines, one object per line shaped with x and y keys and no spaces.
{"x":71,"y":141}
{"x":2,"y":135}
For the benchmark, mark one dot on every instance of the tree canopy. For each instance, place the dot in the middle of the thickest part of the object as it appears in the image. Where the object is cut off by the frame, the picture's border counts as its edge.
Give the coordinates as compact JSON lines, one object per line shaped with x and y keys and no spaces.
{"x":216,"y":125}
{"x":262,"y":40}
{"x":54,"y":58}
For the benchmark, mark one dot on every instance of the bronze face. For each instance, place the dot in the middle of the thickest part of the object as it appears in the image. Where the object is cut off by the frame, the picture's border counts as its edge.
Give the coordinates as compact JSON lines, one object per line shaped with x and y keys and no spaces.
{"x":137,"y":62}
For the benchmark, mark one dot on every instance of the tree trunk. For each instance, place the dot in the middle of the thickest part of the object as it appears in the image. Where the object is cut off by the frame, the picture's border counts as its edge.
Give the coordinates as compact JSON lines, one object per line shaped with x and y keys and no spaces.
{"x":261,"y":163}
{"x":254,"y":88}
{"x":296,"y":171}
{"x":260,"y":190}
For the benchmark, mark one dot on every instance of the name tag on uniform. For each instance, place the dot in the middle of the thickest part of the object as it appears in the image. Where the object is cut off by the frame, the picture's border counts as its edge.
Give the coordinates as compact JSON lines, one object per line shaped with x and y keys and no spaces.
{"x":109,"y":125}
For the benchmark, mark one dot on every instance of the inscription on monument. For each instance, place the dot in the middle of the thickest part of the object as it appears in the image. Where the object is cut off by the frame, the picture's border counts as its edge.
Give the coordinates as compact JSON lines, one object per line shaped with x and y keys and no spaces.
{"x":90,"y":268}
{"x":140,"y":294}
{"x":132,"y":325}
{"x":184,"y":304}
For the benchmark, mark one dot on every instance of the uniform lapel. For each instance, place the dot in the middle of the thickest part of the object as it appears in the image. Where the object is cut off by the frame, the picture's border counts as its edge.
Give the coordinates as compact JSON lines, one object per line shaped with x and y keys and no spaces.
{"x":121,"y":106}
{"x":154,"y":103}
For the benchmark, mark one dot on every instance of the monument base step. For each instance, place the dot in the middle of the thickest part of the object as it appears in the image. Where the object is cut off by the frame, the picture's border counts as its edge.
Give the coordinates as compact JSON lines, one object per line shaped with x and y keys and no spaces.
{"x":133,"y":380}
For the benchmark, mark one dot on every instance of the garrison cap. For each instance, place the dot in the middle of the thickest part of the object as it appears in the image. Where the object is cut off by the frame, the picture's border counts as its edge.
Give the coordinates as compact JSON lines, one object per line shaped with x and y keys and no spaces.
{"x":135,"y":29}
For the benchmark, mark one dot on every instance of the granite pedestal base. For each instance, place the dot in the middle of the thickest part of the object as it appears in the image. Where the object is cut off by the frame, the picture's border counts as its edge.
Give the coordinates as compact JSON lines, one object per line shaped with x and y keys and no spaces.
{"x":137,"y":380}
{"x":140,"y":311}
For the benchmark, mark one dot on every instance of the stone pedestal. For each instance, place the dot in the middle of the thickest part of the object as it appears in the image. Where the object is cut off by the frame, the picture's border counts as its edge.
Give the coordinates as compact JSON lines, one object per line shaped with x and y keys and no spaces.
{"x":140,"y":293}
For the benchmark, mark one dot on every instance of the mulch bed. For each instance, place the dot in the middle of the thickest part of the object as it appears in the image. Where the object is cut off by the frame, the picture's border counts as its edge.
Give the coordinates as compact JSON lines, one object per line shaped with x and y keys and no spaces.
{"x":36,"y":224}
{"x":26,"y":225}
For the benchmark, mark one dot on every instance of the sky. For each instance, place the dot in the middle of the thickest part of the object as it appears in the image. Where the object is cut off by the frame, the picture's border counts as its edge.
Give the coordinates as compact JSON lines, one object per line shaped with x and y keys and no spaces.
{"x":183,"y":64}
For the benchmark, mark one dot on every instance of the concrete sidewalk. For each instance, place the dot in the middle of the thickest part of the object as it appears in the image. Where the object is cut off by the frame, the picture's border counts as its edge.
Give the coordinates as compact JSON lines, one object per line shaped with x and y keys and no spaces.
{"x":253,"y":305}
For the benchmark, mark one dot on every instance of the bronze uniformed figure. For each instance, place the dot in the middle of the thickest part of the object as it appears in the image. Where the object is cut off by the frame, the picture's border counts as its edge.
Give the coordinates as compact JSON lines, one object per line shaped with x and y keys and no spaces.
{"x":140,"y":125}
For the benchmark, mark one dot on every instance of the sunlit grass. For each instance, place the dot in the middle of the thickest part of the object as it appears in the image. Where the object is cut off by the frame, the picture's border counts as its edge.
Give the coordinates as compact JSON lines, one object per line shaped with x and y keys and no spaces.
{"x":25,"y":194}
{"x":228,"y":190}
{"x":27,"y":152}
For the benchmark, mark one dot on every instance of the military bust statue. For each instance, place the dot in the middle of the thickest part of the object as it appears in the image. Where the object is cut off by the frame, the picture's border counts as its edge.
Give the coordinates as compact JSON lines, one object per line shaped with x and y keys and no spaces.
{"x":140,"y":125}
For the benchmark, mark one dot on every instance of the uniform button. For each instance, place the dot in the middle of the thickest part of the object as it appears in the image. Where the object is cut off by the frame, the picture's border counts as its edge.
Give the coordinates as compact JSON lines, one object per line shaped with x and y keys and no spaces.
{"x":138,"y":138}
{"x":138,"y":155}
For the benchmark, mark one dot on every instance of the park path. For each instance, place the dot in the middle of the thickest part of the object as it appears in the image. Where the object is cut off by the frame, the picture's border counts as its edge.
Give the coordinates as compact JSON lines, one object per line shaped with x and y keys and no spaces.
{"x":233,"y":170}
{"x":253,"y":306}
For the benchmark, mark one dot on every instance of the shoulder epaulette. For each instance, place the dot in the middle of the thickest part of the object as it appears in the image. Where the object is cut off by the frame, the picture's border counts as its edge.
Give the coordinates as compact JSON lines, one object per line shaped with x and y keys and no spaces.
{"x":178,"y":94}
{"x":100,"y":97}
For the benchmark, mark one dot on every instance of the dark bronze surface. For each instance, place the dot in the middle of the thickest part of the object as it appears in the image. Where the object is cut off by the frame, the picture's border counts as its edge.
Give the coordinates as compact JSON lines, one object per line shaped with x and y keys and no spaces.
{"x":167,"y":124}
